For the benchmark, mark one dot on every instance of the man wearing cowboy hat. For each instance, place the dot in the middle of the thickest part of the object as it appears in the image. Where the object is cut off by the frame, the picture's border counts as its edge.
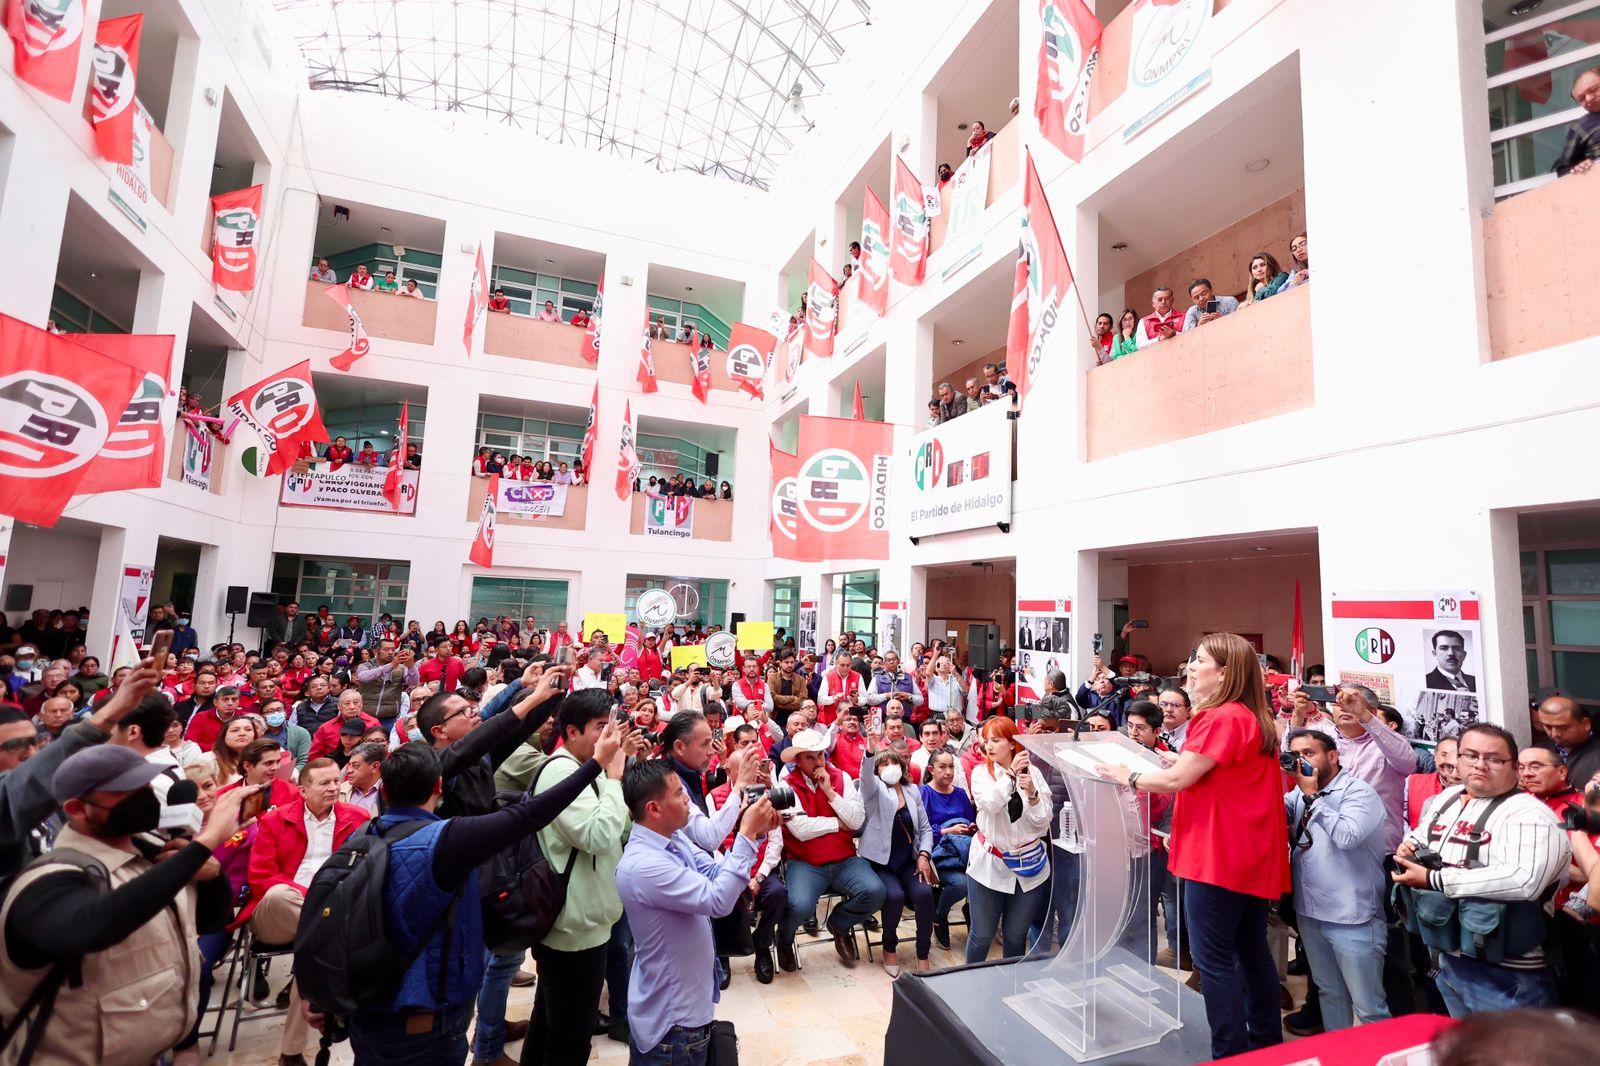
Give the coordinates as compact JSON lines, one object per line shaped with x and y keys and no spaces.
{"x":819,"y":843}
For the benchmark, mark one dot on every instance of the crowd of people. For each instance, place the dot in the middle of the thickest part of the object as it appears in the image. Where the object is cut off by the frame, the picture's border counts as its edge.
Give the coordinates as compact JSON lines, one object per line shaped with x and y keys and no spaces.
{"x":337,"y":453}
{"x":515,"y":467}
{"x":702,"y":813}
{"x":361,"y":277}
{"x":683,"y":485}
{"x":948,"y":403}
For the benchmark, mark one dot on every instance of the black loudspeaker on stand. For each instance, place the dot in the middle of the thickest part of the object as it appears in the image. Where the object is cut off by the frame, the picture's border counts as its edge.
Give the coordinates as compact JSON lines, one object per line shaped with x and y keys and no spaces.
{"x":263,"y":610}
{"x":236,"y":603}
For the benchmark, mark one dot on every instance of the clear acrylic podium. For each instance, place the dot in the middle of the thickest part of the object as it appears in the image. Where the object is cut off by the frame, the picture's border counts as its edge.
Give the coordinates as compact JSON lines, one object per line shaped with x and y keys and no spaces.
{"x":1102,"y":993}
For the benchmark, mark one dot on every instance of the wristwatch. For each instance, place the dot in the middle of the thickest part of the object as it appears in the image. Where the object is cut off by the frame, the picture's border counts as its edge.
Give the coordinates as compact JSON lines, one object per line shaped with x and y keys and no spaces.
{"x":1133,"y":780}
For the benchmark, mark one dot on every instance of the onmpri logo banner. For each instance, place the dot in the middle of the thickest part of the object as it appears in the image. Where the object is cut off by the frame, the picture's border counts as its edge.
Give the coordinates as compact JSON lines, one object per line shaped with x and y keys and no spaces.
{"x":957,"y":475}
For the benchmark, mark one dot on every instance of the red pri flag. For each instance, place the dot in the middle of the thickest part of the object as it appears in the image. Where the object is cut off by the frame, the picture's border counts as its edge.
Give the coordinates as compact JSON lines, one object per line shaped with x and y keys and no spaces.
{"x":591,"y":344}
{"x":874,"y":269}
{"x":822,"y":312}
{"x":750,"y":352}
{"x":1297,"y":637}
{"x":235,"y":230}
{"x":482,"y":551}
{"x":477,"y":302}
{"x":45,"y":37}
{"x":858,"y":410}
{"x":842,"y":488}
{"x":59,"y":403}
{"x":397,"y":458}
{"x":701,"y":360}
{"x":627,"y":455}
{"x":1043,"y":285}
{"x":1068,"y":52}
{"x":135,"y":454}
{"x":590,"y":432}
{"x":785,"y":509}
{"x":646,"y":374}
{"x":359,"y":344}
{"x":908,"y":252}
{"x":282,"y":412}
{"x":116,"y":70}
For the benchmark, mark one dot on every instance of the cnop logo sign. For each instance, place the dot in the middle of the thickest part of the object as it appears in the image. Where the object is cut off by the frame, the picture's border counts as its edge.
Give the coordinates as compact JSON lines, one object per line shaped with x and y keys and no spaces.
{"x":1164,"y":35}
{"x":1375,"y":645}
{"x":50,"y":25}
{"x":531,"y":492}
{"x":785,"y":508}
{"x":927,"y":466}
{"x":48,"y":425}
{"x":834,"y":490}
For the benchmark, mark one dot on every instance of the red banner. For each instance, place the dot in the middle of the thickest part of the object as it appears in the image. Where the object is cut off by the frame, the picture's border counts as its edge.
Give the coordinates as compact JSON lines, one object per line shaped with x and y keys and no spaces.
{"x":627,"y":455}
{"x":135,"y":454}
{"x":111,"y":90}
{"x":45,"y":38}
{"x":397,"y":457}
{"x":359,"y":344}
{"x":1069,"y":49}
{"x":591,"y":344}
{"x":477,"y":302}
{"x":858,"y":410}
{"x":784,"y":525}
{"x":59,"y":404}
{"x":281,"y":411}
{"x":908,"y":252}
{"x":235,"y":236}
{"x":1039,"y":301}
{"x":700,"y":359}
{"x":822,"y":312}
{"x":589,"y":432}
{"x":874,"y":268}
{"x":482,"y":551}
{"x":646,"y":374}
{"x":842,"y":488}
{"x":750,"y":353}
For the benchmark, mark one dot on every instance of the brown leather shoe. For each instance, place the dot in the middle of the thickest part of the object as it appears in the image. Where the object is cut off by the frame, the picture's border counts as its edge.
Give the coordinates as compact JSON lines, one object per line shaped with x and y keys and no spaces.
{"x":844,"y":944}
{"x":516,"y":1031}
{"x":523,"y":979}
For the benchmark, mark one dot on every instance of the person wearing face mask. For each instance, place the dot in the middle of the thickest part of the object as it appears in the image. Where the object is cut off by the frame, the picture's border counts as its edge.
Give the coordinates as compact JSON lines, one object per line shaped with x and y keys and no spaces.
{"x":101,"y":910}
{"x":184,"y":637}
{"x":898,"y":841}
{"x":293,"y":739}
{"x":11,"y":679}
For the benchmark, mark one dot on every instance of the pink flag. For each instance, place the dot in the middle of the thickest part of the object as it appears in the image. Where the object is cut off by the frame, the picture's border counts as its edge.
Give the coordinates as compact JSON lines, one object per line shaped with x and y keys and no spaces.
{"x":477,"y":302}
{"x":359,"y":344}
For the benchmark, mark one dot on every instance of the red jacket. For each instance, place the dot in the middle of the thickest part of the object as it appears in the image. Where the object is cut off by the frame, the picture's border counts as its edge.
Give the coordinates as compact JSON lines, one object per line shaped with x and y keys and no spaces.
{"x":280,"y":793}
{"x":280,"y":847}
{"x":649,"y":664}
{"x":205,"y":727}
{"x":448,"y":673}
{"x":326,"y":738}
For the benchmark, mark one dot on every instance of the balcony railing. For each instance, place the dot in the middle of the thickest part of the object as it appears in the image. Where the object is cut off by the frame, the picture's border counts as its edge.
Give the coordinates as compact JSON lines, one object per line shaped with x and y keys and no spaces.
{"x":384,"y":314}
{"x":1005,"y":167}
{"x":1111,"y":70}
{"x":713,"y":519}
{"x":1250,"y":365}
{"x":524,"y":337}
{"x":1540,"y":294}
{"x":674,"y":363}
{"x":572,"y":516}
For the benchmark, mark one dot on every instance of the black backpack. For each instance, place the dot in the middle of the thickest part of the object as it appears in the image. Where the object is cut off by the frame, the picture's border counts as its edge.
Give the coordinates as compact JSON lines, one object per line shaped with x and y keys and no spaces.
{"x":344,"y":960}
{"x":521,"y":892}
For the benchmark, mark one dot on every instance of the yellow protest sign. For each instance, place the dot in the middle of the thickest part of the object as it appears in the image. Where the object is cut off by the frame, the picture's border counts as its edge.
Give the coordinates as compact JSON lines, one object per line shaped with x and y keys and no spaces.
{"x":614,"y":626}
{"x":755,"y":636}
{"x":684,"y":655}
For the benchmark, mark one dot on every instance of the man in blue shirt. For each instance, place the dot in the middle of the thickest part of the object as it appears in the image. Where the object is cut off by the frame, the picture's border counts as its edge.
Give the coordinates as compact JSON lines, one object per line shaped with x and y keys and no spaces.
{"x":1336,"y":852}
{"x":671,"y":890}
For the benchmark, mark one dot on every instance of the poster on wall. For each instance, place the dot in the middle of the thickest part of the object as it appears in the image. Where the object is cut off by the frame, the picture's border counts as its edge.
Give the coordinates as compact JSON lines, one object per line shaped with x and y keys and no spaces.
{"x":1169,"y":59}
{"x":968,"y":191}
{"x":958,"y":473}
{"x":669,"y":516}
{"x":198,"y":451}
{"x":1421,"y":652}
{"x":350,"y":488}
{"x":136,"y":584}
{"x":1044,"y":643}
{"x":531,"y":499}
{"x":893,"y":624}
{"x":806,"y":639}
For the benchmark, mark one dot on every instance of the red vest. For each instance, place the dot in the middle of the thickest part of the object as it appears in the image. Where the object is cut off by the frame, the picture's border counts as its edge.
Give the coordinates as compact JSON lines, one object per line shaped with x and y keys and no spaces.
{"x":756,"y":693}
{"x":1420,"y":788}
{"x":832,"y":847}
{"x":850,"y":684}
{"x":848,"y":752}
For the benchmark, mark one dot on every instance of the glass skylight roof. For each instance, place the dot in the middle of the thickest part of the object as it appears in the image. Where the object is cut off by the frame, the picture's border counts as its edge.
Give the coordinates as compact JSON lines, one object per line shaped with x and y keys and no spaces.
{"x":702,"y":85}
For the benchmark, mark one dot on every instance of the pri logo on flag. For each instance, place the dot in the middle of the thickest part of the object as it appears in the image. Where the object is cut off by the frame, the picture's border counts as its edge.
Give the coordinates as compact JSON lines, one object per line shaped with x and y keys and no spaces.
{"x":785,"y":508}
{"x":48,"y":425}
{"x":139,"y":430}
{"x":113,"y":82}
{"x":911,"y":225}
{"x":747,"y":362}
{"x":834,"y":490}
{"x":822,"y":310}
{"x":928,"y":465}
{"x":1063,"y":54}
{"x":235,"y":238}
{"x":284,"y":406}
{"x":874,"y":253}
{"x":50,"y":25}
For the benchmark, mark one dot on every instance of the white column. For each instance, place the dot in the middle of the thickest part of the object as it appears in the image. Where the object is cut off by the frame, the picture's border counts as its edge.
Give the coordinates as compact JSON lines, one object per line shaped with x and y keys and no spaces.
{"x":119,"y":548}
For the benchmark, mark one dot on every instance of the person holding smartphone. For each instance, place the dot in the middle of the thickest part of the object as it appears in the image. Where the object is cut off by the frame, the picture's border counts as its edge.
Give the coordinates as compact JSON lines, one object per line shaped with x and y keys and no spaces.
{"x":1208,"y":306}
{"x":897,"y":840}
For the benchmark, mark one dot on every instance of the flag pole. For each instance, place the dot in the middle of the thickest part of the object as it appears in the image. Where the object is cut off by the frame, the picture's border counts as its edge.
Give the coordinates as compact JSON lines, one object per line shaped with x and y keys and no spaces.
{"x":1077,"y":293}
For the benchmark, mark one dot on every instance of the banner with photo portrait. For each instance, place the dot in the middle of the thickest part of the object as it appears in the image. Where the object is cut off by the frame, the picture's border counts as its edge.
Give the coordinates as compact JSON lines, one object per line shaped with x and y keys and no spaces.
{"x":806,"y":636}
{"x":1044,"y":643}
{"x":1421,"y":652}
{"x":894,"y":621}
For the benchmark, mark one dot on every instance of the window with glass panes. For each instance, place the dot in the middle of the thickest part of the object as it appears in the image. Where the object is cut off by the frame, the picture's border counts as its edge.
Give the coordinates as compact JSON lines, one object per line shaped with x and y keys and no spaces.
{"x":1532,"y":61}
{"x":536,"y":438}
{"x":856,"y":604}
{"x":366,"y":588}
{"x":420,"y":266}
{"x":1561,"y":620}
{"x":545,"y":600}
{"x":73,"y":315}
{"x":712,"y":595}
{"x":527,"y":291}
{"x":786,"y":604}
{"x":375,"y":422}
{"x":665,"y":456}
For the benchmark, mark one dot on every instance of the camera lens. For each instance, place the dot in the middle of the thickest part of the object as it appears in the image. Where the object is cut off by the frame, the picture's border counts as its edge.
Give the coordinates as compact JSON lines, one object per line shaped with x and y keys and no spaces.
{"x":782,"y":797}
{"x":1289,"y":761}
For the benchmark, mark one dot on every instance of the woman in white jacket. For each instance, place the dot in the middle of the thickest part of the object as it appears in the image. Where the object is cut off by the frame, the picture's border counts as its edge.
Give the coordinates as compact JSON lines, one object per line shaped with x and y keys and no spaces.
{"x":1008,"y":871}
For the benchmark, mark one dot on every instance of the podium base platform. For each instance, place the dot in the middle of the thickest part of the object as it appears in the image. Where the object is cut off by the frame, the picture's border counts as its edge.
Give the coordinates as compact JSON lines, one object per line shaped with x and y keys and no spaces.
{"x":965,"y":1017}
{"x":1095,"y":1020}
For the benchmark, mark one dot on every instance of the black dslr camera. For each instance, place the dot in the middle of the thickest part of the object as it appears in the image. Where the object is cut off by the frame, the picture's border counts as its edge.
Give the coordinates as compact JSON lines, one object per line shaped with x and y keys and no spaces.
{"x":1581,"y":819}
{"x":1424,"y":857}
{"x":782,"y":796}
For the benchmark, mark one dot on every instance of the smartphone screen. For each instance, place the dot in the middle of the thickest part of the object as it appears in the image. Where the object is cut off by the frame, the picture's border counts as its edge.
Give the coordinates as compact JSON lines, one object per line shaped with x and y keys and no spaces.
{"x":160,"y":647}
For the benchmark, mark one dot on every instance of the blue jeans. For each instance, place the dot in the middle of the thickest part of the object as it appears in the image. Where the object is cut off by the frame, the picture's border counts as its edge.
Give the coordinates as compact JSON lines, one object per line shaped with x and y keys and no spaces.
{"x":489,"y":1038}
{"x":1228,"y":939}
{"x":854,"y":877}
{"x":1347,"y":963}
{"x":679,"y":1047}
{"x":1177,"y":935}
{"x":619,"y":964}
{"x":952,"y":890}
{"x":1469,"y":986}
{"x":1049,"y":930}
{"x":379,"y":1038}
{"x":1009,"y":914}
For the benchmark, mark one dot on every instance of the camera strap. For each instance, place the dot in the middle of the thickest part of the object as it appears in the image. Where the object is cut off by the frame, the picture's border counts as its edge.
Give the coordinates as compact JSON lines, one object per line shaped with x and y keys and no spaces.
{"x":1475,"y":837}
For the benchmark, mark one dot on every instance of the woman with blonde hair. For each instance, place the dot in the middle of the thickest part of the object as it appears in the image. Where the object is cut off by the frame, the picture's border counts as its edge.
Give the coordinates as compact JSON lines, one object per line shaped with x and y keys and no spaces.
{"x":1266,"y":278}
{"x":1008,"y":869}
{"x":1230,"y":844}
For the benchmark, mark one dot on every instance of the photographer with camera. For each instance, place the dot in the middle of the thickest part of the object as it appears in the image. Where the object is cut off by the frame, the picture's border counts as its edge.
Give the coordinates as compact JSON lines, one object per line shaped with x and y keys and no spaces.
{"x":1336,"y":852}
{"x":1474,"y":876}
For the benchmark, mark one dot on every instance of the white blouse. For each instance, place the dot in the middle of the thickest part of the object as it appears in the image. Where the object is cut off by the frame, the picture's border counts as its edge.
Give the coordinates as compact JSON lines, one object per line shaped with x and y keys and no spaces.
{"x":992,"y":795}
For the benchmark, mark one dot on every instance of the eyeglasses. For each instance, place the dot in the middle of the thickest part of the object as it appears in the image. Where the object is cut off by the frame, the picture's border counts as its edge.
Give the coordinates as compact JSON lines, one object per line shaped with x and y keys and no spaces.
{"x":1172,"y":705}
{"x":470,"y":712}
{"x":11,"y":747}
{"x":1494,"y":762}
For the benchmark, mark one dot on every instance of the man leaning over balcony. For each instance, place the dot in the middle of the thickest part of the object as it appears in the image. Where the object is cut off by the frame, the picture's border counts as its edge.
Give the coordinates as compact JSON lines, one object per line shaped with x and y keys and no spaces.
{"x":1208,"y":306}
{"x":1578,"y":155}
{"x":322,"y":272}
{"x":1163,"y":323}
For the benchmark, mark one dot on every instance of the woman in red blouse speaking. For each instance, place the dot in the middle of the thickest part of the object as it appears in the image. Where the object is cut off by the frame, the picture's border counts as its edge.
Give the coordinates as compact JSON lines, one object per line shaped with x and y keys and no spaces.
{"x":1230,"y":844}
